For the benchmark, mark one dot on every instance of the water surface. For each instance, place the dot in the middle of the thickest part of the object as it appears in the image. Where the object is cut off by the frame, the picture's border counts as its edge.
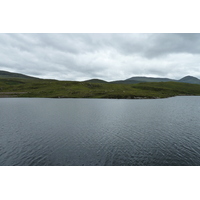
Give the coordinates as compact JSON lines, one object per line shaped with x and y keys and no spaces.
{"x":36,"y":131}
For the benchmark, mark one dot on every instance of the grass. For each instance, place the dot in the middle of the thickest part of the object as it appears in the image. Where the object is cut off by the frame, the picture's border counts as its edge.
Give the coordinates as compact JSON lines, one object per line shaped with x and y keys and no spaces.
{"x":71,"y":89}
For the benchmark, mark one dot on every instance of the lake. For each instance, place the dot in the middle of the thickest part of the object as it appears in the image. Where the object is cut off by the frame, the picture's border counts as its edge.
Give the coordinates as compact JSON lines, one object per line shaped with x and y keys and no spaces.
{"x":111,"y":132}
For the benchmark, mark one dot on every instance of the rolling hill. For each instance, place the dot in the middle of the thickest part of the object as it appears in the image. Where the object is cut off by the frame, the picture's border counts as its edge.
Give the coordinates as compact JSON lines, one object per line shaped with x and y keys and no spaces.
{"x":190,"y":79}
{"x":149,"y":79}
{"x":17,"y":85}
{"x":5,"y":74}
{"x":95,"y":81}
{"x":134,"y":80}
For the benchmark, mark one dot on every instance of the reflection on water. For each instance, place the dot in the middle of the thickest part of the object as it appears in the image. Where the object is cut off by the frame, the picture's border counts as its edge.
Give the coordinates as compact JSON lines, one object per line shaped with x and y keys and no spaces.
{"x":100,"y":131}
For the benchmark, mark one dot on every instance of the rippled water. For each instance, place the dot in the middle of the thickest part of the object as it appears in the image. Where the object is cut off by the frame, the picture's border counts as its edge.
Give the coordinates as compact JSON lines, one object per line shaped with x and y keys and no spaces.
{"x":100,"y":131}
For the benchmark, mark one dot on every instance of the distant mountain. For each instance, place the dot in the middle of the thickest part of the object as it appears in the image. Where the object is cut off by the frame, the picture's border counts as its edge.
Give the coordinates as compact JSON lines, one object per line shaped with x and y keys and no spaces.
{"x":142,"y":79}
{"x":5,"y":74}
{"x":95,"y":81}
{"x":132,"y":80}
{"x":126,"y":82}
{"x":190,"y":79}
{"x":149,"y":79}
{"x":187,"y":79}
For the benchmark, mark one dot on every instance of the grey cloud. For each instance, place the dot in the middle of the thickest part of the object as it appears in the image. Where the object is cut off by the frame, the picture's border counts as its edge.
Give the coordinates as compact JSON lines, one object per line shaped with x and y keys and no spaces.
{"x":105,"y":56}
{"x":164,"y":44}
{"x":154,"y":45}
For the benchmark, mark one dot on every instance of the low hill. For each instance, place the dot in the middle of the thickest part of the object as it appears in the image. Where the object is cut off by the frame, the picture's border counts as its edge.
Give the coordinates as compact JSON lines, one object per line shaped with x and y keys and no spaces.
{"x":187,"y":79}
{"x":132,"y":80}
{"x":125,"y":82}
{"x":190,"y":79}
{"x":149,"y":79}
{"x":21,"y":87}
{"x":18,"y":85}
{"x":5,"y":74}
{"x":95,"y":81}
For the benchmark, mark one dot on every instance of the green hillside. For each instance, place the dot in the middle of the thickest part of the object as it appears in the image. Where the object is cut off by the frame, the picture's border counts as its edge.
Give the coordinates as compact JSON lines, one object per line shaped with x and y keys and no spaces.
{"x":5,"y":74}
{"x":20,"y":87}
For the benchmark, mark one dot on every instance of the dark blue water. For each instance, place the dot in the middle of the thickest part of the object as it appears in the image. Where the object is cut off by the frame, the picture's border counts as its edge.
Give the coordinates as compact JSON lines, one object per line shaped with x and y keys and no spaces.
{"x":100,"y":131}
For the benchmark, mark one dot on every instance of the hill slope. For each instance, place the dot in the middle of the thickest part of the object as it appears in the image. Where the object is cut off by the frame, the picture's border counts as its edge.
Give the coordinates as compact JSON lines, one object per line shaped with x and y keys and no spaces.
{"x":126,"y":82}
{"x":5,"y":74}
{"x":13,"y":86}
{"x":95,"y":81}
{"x":16,"y":87}
{"x":187,"y":79}
{"x":190,"y":79}
{"x":149,"y":79}
{"x":132,"y":80}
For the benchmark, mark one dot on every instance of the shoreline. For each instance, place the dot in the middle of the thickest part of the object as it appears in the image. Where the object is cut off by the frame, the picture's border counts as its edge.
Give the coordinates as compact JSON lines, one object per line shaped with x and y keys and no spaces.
{"x":13,"y":95}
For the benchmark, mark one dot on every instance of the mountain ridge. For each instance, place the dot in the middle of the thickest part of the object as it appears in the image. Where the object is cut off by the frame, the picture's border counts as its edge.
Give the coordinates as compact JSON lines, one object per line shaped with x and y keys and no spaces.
{"x":150,"y":79}
{"x":144,"y":79}
{"x":6,"y":74}
{"x":12,"y":86}
{"x":133,"y":80}
{"x":190,"y":79}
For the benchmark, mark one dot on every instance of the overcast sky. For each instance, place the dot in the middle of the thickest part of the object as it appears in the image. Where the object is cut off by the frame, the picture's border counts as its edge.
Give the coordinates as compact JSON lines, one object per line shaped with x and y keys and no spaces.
{"x":104,"y":56}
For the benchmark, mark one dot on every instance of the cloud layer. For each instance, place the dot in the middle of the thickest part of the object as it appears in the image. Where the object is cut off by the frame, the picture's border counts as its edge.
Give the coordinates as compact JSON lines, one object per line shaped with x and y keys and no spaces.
{"x":105,"y":56}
